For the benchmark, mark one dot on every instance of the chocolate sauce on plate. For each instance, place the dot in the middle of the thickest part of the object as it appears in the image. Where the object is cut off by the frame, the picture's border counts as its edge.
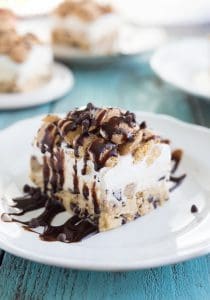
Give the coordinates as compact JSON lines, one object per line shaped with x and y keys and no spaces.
{"x":177,"y":181}
{"x":176,"y":158}
{"x":73,"y":230}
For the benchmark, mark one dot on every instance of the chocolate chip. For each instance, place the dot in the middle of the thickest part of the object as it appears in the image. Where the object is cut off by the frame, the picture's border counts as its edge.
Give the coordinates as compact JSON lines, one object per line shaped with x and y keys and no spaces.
{"x":194,"y":209}
{"x":124,"y":221}
{"x":150,"y":198}
{"x":117,"y":194}
{"x":143,"y":125}
{"x":26,"y":188}
{"x":155,"y":203}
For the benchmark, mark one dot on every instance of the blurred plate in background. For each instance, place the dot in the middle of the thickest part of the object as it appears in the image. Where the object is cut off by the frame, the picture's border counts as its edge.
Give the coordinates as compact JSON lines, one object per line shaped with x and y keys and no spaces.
{"x":165,"y":12}
{"x":61,"y":82}
{"x":186,"y":65}
{"x":132,"y":41}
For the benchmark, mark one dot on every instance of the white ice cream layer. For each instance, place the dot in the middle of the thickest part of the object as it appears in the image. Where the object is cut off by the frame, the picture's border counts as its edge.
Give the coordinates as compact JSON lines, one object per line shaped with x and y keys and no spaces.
{"x":110,"y":180}
{"x":93,"y":31}
{"x":37,"y":64}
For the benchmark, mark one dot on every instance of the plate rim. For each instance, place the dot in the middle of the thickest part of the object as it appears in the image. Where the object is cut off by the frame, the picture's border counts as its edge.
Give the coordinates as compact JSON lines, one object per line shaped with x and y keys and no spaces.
{"x":197,"y":250}
{"x":155,"y":65}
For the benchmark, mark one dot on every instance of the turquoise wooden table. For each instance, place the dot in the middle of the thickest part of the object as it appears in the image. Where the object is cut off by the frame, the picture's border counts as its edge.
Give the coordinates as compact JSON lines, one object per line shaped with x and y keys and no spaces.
{"x":132,"y":85}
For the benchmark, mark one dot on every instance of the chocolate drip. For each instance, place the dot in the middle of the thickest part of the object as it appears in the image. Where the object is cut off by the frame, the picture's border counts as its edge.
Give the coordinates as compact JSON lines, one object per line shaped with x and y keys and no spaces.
{"x":48,"y":141}
{"x":79,"y":142}
{"x":46,"y":173}
{"x":73,"y":230}
{"x":101,"y":152}
{"x":53,"y":179}
{"x":75,"y":179}
{"x":86,"y":157}
{"x":95,"y":200}
{"x":85,"y":191}
{"x":165,"y":141}
{"x":59,"y":166}
{"x":53,"y":170}
{"x":177,"y":181}
{"x":176,"y":158}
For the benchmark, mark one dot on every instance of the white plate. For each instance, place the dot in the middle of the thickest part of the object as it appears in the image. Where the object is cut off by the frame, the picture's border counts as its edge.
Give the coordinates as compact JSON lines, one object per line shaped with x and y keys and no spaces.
{"x":185,"y":64}
{"x":61,"y":82}
{"x":167,"y":235}
{"x":133,"y":41}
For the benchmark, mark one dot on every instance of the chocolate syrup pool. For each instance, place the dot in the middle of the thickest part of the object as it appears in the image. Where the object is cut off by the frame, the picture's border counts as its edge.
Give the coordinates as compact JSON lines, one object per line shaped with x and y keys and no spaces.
{"x":75,"y":228}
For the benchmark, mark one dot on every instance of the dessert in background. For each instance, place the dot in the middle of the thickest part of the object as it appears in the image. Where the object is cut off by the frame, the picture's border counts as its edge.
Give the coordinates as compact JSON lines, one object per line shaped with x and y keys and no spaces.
{"x":86,"y":25}
{"x":25,"y":62}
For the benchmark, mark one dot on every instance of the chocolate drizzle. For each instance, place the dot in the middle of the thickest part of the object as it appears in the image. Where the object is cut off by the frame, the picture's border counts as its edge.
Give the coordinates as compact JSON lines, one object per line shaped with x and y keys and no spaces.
{"x":109,"y":127}
{"x":177,"y":180}
{"x":84,"y":169}
{"x":101,"y":152}
{"x":176,"y":158}
{"x":49,"y":138}
{"x":73,"y":230}
{"x":114,"y":127}
{"x":75,"y":179}
{"x":53,"y":170}
{"x":46,"y":173}
{"x":85,"y":192}
{"x":79,"y":142}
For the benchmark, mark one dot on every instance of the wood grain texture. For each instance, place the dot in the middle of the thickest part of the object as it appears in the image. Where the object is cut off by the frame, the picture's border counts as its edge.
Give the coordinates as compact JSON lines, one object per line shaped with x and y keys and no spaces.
{"x":131,"y":85}
{"x":21,"y":279}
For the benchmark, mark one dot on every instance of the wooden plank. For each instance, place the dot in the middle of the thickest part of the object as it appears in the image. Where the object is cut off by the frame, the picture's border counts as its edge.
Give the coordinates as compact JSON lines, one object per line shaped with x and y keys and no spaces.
{"x":27,"y":280}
